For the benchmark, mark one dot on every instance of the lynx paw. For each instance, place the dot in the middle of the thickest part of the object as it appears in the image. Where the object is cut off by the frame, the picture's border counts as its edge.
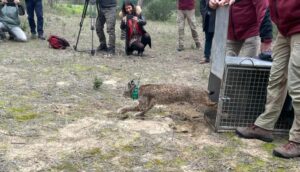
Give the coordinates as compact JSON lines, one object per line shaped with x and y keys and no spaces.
{"x":121,"y":111}
{"x":139,"y":114}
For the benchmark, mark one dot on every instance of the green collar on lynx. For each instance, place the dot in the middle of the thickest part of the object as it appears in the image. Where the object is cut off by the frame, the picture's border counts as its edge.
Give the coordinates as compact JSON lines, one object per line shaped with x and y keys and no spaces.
{"x":135,"y":92}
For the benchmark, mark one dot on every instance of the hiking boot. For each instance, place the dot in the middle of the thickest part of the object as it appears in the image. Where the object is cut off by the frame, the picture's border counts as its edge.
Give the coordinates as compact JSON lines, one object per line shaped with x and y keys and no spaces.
{"x":102,"y":47}
{"x":198,"y":45}
{"x":41,"y":37}
{"x":33,"y":36}
{"x":289,"y":150}
{"x":111,"y":51}
{"x":2,"y":35}
{"x":204,"y":60}
{"x":180,"y":48}
{"x":255,"y":132}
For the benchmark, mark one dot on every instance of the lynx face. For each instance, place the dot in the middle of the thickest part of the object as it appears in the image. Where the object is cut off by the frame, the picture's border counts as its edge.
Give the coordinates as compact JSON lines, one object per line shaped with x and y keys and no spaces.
{"x":130,"y":86}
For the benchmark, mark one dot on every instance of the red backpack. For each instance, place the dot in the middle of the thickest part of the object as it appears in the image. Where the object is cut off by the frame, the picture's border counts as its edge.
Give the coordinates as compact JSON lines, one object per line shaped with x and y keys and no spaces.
{"x":57,"y":42}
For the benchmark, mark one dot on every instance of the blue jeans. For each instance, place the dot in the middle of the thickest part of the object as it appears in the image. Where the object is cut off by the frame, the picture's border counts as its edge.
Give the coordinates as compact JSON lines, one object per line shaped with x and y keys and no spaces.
{"x":37,"y":7}
{"x":208,"y":43}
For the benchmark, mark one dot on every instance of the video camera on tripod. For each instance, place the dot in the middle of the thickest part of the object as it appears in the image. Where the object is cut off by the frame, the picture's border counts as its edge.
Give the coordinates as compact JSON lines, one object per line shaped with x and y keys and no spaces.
{"x":92,"y":13}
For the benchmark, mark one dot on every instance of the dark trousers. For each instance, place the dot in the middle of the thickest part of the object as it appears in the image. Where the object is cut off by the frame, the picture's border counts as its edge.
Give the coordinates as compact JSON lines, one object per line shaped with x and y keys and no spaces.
{"x":37,"y":7}
{"x":208,"y":43}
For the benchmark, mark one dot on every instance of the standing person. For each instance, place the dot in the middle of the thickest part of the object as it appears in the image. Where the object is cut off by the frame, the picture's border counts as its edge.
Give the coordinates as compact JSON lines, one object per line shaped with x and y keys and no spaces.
{"x":106,"y":14}
{"x":245,"y":18}
{"x":37,"y":7}
{"x":284,"y":76}
{"x":208,"y":24}
{"x":186,"y":10}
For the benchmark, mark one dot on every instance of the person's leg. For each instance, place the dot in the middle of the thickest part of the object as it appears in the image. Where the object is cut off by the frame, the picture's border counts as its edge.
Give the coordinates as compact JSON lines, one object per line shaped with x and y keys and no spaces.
{"x":180,"y":25}
{"x":30,"y":11}
{"x":40,"y":18}
{"x":146,"y":40}
{"x":192,"y":23}
{"x":110,"y":16}
{"x":18,"y":34}
{"x":2,"y":31}
{"x":292,"y":148}
{"x":276,"y":94}
{"x":208,"y":43}
{"x":277,"y":86}
{"x":294,"y":86}
{"x":100,"y":30}
{"x":233,"y":48}
{"x":251,"y":47}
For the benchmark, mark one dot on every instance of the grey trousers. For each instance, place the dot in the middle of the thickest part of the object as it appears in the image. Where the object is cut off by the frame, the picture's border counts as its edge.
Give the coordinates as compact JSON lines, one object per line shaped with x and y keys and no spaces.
{"x":108,"y":16}
{"x":17,"y":32}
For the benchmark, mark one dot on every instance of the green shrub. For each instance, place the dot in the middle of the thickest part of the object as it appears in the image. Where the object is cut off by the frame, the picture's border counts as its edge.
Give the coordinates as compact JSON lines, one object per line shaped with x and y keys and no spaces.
{"x":160,"y":10}
{"x":97,"y":83}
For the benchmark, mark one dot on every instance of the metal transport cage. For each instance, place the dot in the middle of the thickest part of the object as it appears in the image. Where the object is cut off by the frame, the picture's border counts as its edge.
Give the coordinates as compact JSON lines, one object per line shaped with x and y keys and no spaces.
{"x":242,"y":95}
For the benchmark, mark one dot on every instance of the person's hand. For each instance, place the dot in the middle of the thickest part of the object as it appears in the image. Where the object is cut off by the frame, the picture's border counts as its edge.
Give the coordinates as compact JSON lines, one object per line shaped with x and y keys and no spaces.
{"x":265,"y":46}
{"x":225,"y":2}
{"x":213,"y":4}
{"x":4,"y":1}
{"x":135,"y":18}
{"x":16,"y":1}
{"x":124,"y":18}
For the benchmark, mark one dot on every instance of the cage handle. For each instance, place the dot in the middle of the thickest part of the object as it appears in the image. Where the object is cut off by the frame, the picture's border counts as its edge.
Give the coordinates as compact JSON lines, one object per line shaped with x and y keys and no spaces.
{"x":247,"y":59}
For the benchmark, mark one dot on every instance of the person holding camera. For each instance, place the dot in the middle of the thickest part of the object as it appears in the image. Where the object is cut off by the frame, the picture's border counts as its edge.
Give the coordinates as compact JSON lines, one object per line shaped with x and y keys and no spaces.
{"x":136,"y":36}
{"x":9,"y":20}
{"x":35,"y":6}
{"x":106,"y":14}
{"x":138,"y":10}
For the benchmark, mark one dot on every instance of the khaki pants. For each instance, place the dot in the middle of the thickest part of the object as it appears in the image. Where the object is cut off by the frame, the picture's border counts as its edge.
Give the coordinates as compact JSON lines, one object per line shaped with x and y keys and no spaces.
{"x":190,"y":16}
{"x":250,"y":47}
{"x":285,"y":75}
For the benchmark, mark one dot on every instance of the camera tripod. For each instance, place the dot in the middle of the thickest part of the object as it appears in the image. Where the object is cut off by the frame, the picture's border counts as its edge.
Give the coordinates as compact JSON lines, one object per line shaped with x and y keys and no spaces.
{"x":92,"y":13}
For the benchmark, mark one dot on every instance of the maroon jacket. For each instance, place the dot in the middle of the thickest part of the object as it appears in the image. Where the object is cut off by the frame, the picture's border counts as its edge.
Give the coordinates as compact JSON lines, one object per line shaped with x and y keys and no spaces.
{"x":245,"y":18}
{"x":186,"y":4}
{"x":286,"y":15}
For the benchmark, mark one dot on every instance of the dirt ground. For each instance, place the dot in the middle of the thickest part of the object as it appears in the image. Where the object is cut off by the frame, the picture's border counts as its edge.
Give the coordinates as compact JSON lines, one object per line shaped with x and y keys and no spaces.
{"x":51,"y":118}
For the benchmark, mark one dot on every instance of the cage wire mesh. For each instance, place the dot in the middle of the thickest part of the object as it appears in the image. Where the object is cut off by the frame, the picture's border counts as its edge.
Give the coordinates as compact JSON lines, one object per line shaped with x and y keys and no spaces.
{"x":242,"y":98}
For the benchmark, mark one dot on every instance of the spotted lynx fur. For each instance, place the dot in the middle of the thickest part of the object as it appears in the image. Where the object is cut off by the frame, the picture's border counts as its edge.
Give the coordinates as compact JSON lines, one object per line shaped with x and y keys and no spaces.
{"x":163,"y":94}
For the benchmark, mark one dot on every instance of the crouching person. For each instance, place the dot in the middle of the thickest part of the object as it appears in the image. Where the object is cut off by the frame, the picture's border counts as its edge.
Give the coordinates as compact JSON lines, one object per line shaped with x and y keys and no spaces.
{"x":9,"y":20}
{"x":136,"y":36}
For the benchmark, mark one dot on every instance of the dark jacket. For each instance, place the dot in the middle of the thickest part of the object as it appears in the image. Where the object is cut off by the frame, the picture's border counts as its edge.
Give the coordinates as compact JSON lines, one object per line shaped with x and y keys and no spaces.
{"x":185,"y":4}
{"x":266,"y":28}
{"x":208,"y":16}
{"x":286,"y":15}
{"x":107,"y":3}
{"x":245,"y":18}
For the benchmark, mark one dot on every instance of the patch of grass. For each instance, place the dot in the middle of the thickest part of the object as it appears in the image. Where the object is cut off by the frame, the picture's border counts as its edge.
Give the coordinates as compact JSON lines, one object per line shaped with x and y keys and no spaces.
{"x":67,"y":166}
{"x":93,"y":151}
{"x":154,"y":163}
{"x":253,"y":165}
{"x":212,"y":152}
{"x":268,"y":147}
{"x":233,"y":138}
{"x":81,"y":68}
{"x":69,"y":9}
{"x":23,"y":113}
{"x":97,"y":83}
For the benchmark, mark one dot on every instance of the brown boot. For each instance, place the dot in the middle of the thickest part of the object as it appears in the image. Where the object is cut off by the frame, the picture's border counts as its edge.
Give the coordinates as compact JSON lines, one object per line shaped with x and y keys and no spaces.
{"x":255,"y":132}
{"x":289,"y":150}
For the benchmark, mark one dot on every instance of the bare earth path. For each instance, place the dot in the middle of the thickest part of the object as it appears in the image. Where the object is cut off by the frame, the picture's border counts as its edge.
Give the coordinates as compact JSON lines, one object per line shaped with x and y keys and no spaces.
{"x":51,"y":118}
